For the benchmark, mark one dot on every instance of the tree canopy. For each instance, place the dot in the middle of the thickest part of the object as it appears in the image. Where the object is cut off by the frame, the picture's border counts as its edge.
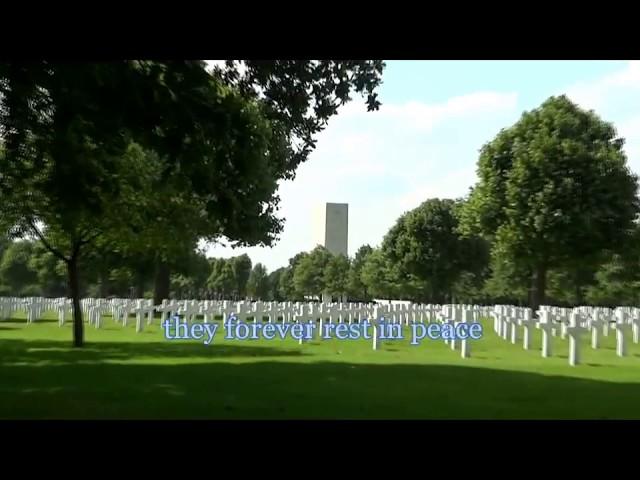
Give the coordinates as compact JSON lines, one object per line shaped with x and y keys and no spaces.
{"x":552,"y":189}
{"x":212,"y":148}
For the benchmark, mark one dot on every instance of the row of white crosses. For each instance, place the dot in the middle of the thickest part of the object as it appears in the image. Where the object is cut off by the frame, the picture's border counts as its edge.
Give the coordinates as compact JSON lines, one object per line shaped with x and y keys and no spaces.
{"x":64,"y":309}
{"x":457,"y":314}
{"x":34,"y":307}
{"x":507,"y":319}
{"x":551,"y":320}
{"x":289,"y":311}
{"x":567,"y":322}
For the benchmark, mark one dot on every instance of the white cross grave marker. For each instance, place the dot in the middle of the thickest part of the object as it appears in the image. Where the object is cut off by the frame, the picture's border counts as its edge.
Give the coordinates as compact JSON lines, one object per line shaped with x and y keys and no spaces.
{"x":574,"y":330}
{"x":546,"y":326}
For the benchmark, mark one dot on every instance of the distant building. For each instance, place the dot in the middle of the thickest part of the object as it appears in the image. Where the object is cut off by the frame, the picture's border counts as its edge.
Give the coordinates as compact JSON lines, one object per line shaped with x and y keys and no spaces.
{"x":332,"y":231}
{"x":332,"y":227}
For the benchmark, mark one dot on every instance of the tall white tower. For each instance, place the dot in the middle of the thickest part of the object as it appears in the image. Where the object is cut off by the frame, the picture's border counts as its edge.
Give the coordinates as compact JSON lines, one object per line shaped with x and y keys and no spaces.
{"x":332,"y":227}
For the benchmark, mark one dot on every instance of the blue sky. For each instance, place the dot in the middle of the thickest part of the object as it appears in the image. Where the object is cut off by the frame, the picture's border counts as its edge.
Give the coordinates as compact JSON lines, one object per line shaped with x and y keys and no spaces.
{"x":424,"y":140}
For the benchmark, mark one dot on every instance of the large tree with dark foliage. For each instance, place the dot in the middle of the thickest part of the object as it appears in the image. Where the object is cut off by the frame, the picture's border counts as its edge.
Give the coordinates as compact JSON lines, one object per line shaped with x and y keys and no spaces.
{"x":425,"y":245}
{"x":222,"y":142}
{"x":554,"y":189}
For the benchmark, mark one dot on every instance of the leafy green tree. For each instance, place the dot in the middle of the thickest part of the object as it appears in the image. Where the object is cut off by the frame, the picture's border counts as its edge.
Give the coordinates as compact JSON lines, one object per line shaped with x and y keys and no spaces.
{"x":215,"y":269}
{"x":336,"y":275}
{"x":181,"y":285}
{"x":297,"y":98}
{"x":66,"y":129}
{"x":286,"y":287}
{"x":300,"y":96}
{"x":258,"y":284}
{"x":617,"y":283}
{"x":567,"y":285}
{"x":427,"y":248}
{"x":50,"y":271}
{"x":274,"y":285}
{"x":15,"y":269}
{"x":4,"y":244}
{"x":120,"y":280}
{"x":355,"y":285}
{"x":225,"y":283}
{"x":308,"y":274}
{"x":616,"y":280}
{"x":242,"y":271}
{"x":380,"y":277}
{"x":199,"y":269}
{"x":508,"y":282}
{"x":553,"y":188}
{"x":469,"y":288}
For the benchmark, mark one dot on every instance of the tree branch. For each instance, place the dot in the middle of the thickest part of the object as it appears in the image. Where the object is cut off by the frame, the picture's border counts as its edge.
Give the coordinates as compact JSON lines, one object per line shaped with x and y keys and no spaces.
{"x":53,"y":250}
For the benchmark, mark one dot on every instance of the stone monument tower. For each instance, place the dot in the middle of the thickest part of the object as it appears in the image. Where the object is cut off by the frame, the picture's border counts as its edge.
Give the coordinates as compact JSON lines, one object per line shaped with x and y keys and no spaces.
{"x":332,"y":227}
{"x":332,"y":231}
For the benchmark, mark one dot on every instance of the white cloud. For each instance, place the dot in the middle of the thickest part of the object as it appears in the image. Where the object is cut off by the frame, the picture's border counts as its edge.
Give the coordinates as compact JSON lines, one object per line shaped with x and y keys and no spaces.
{"x":424,"y":117}
{"x":453,"y":185}
{"x":616,"y":98}
{"x":599,"y":93}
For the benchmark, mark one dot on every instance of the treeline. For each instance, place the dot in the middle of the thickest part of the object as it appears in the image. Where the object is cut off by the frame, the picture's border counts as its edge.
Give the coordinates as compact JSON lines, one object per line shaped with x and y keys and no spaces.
{"x":423,"y":258}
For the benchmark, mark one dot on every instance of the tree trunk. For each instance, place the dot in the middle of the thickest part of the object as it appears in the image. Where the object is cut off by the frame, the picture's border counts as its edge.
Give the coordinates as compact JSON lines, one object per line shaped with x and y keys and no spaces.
{"x":578,"y":287}
{"x":162,"y":283}
{"x":74,"y":289}
{"x":539,"y":286}
{"x":104,"y":283}
{"x":139,"y":286}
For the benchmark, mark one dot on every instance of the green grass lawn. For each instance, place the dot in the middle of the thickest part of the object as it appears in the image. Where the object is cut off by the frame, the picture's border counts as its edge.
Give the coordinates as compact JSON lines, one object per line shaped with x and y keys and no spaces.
{"x":124,"y":374}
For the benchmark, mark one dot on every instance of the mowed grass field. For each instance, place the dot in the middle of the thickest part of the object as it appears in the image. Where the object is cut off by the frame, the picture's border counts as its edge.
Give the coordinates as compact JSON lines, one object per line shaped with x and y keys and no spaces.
{"x":127,"y":375}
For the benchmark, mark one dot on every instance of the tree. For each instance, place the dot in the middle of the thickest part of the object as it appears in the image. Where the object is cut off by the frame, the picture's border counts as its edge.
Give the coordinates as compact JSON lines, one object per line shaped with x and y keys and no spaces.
{"x":49,"y":270}
{"x":552,"y":189}
{"x":66,"y":129}
{"x":335,"y":276}
{"x":274,"y":285}
{"x":4,"y":244}
{"x":355,"y":285}
{"x":182,"y":285}
{"x":308,"y":274}
{"x":241,"y":271}
{"x":507,"y":282}
{"x":301,"y":96}
{"x":616,"y":281}
{"x":286,"y":287}
{"x":15,"y":269}
{"x":225,"y":282}
{"x":298,"y":99}
{"x":258,"y":284}
{"x":380,"y":277}
{"x":66,"y":166}
{"x":427,"y":248}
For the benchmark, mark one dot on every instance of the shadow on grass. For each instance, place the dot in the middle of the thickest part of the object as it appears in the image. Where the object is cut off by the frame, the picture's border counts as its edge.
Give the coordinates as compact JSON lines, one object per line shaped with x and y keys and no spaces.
{"x":282,"y":388}
{"x":43,"y":352}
